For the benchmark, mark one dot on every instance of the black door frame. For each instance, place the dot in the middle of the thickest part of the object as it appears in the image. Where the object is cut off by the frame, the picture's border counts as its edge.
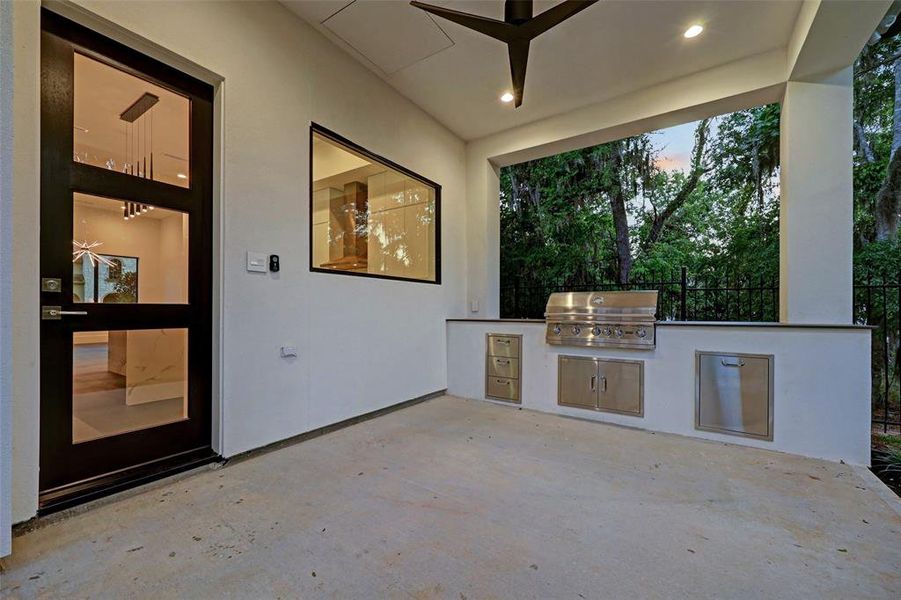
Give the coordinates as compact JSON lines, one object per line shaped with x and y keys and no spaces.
{"x":72,"y":473}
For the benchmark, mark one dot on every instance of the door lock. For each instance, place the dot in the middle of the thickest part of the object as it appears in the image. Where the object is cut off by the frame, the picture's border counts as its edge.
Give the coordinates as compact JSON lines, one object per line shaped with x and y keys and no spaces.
{"x":51,"y":284}
{"x":55,"y":313}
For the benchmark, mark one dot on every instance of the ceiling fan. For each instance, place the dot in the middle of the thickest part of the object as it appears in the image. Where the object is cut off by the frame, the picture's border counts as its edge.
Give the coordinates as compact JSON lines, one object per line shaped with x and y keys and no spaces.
{"x":517,"y":29}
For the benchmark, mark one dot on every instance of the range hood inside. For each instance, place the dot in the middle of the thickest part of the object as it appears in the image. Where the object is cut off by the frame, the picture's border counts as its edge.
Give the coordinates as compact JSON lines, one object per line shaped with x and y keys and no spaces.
{"x":349,"y":229}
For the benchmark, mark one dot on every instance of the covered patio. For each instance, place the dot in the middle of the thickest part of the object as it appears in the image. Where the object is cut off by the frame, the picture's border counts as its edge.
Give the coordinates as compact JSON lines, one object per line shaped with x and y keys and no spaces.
{"x":311,"y":391}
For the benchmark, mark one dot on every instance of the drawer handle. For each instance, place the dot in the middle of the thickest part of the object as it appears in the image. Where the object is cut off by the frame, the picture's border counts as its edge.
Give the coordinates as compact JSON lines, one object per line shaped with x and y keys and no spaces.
{"x":738,"y":363}
{"x":503,"y":381}
{"x":503,"y":341}
{"x":501,"y":361}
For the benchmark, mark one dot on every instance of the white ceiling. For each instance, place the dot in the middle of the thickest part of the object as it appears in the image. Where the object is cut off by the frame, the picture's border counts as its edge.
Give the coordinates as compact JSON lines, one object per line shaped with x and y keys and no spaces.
{"x":612,"y":48}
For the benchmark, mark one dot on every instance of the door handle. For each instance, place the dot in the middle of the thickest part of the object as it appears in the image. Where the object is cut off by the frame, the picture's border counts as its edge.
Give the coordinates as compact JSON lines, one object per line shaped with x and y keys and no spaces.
{"x":738,"y":363}
{"x":594,"y":379}
{"x":604,"y":380}
{"x":55,"y":313}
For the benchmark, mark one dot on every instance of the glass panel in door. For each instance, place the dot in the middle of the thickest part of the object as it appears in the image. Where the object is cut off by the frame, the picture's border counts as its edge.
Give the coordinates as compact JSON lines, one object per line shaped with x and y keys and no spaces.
{"x":124,"y":381}
{"x":126,"y":124}
{"x":128,"y":252}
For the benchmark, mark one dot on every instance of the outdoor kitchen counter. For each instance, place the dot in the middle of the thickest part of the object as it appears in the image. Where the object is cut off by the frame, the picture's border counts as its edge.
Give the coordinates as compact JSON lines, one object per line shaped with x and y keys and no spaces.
{"x":696,"y":324}
{"x":821,"y":378}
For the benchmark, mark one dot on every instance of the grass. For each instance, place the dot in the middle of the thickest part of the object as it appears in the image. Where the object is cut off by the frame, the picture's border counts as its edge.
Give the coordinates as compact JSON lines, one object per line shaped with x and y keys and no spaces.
{"x":887,"y":459}
{"x":887,"y":442}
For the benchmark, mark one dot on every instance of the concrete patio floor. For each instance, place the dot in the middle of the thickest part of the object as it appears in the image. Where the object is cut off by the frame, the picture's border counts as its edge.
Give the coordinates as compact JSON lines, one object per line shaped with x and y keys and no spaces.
{"x":463,"y":499}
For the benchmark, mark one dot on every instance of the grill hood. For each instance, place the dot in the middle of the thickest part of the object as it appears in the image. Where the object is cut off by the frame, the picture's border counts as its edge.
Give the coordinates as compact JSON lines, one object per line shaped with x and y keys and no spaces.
{"x":614,"y":319}
{"x":602,"y":305}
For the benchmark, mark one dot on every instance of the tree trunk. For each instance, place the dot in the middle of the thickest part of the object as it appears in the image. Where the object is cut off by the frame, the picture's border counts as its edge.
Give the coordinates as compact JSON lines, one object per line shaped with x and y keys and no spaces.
{"x":691,"y":182}
{"x":755,"y":173}
{"x":896,"y":125}
{"x":623,"y":245}
{"x":888,"y":200}
{"x":863,"y":145}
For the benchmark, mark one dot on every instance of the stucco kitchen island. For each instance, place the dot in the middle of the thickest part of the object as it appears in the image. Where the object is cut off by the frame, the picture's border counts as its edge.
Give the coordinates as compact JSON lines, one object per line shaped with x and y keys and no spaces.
{"x":821,"y":379}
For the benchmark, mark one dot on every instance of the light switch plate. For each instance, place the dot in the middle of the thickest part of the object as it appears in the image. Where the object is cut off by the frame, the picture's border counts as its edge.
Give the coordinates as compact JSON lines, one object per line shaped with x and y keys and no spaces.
{"x":474,"y":306}
{"x":257,"y":262}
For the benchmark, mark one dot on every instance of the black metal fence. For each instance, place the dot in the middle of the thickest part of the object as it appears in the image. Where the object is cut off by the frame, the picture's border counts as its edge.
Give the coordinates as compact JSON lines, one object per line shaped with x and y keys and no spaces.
{"x":876,"y":303}
{"x":681,"y":297}
{"x":686,"y":297}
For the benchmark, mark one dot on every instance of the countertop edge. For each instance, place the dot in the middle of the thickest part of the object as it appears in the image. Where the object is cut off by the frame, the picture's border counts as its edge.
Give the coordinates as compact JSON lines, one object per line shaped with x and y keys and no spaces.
{"x":735,"y":324}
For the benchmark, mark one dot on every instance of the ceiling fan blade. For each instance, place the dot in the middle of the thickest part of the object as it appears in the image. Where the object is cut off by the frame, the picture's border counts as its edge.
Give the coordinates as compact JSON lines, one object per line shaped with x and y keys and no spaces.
{"x":554,"y":16}
{"x":490,"y":27}
{"x":519,"y":58}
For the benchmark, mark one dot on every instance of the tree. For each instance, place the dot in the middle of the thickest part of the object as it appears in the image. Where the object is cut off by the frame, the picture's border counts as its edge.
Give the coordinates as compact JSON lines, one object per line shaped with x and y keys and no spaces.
{"x":877,"y":138}
{"x":607,"y":212}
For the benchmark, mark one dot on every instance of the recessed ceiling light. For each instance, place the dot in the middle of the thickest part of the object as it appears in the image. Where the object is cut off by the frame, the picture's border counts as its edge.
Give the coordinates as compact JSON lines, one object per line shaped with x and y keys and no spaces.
{"x":181,"y":176}
{"x":693,"y":31}
{"x":507,"y":97}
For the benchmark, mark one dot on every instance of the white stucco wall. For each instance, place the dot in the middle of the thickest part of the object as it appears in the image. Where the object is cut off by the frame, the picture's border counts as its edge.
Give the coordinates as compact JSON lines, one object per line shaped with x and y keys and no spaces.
{"x":22,"y":266}
{"x":6,"y":172}
{"x":821,"y":398}
{"x":364,"y":344}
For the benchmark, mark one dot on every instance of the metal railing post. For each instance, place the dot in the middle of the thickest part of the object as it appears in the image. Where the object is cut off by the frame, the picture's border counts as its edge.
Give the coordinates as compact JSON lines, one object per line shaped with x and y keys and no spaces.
{"x":683,"y":294}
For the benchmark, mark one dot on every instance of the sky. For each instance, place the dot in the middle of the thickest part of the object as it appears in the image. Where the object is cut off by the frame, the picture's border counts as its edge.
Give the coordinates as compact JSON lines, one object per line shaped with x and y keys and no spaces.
{"x":676,"y":144}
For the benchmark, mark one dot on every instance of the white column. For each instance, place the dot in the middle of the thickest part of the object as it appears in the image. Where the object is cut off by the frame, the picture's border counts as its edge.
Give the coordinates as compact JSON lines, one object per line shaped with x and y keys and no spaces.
{"x":482,"y":236}
{"x":21,"y":199}
{"x":6,"y":172}
{"x":816,"y":210}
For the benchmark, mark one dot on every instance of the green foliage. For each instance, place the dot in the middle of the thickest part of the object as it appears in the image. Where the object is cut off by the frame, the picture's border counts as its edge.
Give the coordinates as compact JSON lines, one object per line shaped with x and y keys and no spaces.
{"x":880,"y":260}
{"x":874,"y":108}
{"x":557,"y":222}
{"x":125,"y":284}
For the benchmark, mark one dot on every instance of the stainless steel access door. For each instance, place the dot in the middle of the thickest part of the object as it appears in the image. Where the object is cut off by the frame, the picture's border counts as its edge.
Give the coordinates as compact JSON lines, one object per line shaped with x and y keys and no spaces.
{"x":735,"y":394}
{"x":621,"y":386}
{"x":577,"y":382}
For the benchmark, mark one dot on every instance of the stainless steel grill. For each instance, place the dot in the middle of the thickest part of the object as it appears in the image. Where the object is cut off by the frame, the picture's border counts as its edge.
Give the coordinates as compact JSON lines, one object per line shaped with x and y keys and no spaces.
{"x":606,"y":319}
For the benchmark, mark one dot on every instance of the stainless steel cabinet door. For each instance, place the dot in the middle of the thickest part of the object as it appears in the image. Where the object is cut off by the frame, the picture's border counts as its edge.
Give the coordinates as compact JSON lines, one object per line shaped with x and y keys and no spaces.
{"x":577,"y":382}
{"x":735,"y":394}
{"x":620,"y":386}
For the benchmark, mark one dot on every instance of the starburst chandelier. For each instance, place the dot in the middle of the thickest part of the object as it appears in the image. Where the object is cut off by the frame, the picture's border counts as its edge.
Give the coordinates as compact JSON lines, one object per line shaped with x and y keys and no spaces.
{"x":84,"y":249}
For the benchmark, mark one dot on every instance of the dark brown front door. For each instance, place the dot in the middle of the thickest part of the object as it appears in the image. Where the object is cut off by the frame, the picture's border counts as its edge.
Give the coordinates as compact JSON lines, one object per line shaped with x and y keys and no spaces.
{"x":126,"y":176}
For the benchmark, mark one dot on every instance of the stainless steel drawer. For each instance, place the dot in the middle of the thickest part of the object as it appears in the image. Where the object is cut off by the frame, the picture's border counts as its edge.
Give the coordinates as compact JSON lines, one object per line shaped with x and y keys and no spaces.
{"x":499,"y":366}
{"x":734,"y":394}
{"x":503,"y":345}
{"x":503,"y":388}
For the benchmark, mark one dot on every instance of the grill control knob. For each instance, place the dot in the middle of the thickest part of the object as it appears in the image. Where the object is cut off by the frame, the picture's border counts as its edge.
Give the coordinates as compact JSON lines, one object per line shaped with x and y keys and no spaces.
{"x":618,"y":332}
{"x":607,"y":331}
{"x":576,"y":330}
{"x":641,"y":332}
{"x":596,"y":330}
{"x":557,"y":329}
